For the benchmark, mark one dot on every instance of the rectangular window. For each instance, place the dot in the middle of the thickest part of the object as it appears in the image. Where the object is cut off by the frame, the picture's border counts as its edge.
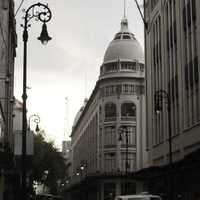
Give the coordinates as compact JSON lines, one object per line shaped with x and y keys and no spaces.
{"x":186,"y":77}
{"x":167,"y":39}
{"x":131,"y":161}
{"x":196,"y":71}
{"x":175,"y":32}
{"x":131,"y":136}
{"x":160,"y":51}
{"x":134,"y":66}
{"x":141,"y":67}
{"x":188,"y":14}
{"x":191,"y":73}
{"x":171,"y":36}
{"x":106,"y":91}
{"x":176,"y":85}
{"x":110,"y":164}
{"x":184,"y":18}
{"x":193,"y":10}
{"x":109,"y":135}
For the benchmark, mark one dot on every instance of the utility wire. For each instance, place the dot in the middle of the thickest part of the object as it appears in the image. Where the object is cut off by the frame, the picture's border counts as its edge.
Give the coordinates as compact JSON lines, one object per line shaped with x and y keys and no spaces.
{"x":19,"y":7}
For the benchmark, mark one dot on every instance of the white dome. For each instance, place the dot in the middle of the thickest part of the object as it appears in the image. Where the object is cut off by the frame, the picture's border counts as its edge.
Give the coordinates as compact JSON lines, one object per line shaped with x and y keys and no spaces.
{"x":124,"y":50}
{"x":124,"y":46}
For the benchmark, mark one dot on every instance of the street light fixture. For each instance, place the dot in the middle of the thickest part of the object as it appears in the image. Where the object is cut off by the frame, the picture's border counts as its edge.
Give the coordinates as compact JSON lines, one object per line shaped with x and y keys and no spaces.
{"x":42,"y":13}
{"x":77,"y":173}
{"x":36,"y":119}
{"x":44,"y":37}
{"x":124,"y":130}
{"x":83,"y":166}
{"x":162,"y":97}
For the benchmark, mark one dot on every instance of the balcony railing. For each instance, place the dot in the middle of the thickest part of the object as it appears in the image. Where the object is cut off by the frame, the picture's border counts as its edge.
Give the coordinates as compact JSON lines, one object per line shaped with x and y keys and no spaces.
{"x":109,"y":119}
{"x":128,"y":118}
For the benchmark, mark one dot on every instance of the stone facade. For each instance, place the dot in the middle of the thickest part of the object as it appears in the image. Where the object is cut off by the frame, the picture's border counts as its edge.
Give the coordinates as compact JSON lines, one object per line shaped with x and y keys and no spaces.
{"x":116,"y":109}
{"x":8,"y":42}
{"x":172,"y":46}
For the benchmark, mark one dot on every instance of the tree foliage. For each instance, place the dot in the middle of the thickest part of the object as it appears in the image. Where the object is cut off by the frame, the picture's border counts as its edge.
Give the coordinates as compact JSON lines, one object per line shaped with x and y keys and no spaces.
{"x":47,"y":159}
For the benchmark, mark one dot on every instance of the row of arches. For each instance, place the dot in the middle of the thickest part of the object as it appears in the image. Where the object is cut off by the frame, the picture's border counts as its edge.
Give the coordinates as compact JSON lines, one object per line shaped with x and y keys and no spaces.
{"x":128,"y":109}
{"x":121,"y":66}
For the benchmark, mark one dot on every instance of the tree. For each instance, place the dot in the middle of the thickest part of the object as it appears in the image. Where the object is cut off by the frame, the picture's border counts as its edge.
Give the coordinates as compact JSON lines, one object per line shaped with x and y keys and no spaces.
{"x":47,"y":159}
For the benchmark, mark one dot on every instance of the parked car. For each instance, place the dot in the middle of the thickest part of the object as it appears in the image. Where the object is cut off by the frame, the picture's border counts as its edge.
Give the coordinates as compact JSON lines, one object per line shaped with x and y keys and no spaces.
{"x":142,"y":196}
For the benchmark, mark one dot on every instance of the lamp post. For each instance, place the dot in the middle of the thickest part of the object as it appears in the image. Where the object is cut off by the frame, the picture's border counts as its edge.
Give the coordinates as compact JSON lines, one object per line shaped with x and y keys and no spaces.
{"x":161,"y":96}
{"x":42,"y":13}
{"x":124,"y":130}
{"x":83,"y":166}
{"x":36,"y":119}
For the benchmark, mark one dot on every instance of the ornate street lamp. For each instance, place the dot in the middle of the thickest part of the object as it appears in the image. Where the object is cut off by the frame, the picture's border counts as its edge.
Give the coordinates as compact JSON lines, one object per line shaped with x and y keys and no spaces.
{"x":42,"y":13}
{"x":124,"y":130}
{"x":83,"y":167}
{"x":162,"y":97}
{"x":36,"y":119}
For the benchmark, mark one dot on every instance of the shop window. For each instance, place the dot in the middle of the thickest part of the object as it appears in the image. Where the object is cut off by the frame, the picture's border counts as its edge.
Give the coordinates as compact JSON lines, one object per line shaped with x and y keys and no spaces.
{"x":109,"y":191}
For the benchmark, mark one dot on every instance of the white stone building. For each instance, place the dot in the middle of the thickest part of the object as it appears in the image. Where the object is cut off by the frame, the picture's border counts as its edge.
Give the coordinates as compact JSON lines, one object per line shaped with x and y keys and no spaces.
{"x":117,"y":102}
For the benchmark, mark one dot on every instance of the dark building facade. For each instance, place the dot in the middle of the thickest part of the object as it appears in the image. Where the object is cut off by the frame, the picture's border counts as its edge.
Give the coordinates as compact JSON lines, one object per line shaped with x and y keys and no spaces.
{"x":172,"y":57}
{"x":8,"y":42}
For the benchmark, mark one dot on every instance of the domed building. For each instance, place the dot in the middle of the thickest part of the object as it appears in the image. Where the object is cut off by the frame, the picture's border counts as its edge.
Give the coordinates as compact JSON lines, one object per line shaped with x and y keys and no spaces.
{"x":108,"y":134}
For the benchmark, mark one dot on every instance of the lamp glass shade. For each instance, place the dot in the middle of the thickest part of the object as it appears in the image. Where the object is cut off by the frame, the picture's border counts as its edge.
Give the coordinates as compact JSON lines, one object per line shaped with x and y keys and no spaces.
{"x":44,"y":36}
{"x":37,"y":129}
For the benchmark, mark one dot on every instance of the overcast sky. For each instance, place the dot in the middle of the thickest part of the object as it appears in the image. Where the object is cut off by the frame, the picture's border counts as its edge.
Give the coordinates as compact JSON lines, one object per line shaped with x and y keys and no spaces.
{"x":69,"y":65}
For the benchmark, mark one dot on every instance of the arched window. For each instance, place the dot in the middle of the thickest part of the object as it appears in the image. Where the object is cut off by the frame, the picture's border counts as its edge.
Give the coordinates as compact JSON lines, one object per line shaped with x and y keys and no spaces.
{"x":110,"y":111}
{"x":128,"y":110}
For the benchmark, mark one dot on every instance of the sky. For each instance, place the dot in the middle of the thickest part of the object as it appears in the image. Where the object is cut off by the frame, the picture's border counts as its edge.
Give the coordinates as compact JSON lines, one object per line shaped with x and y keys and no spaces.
{"x":69,"y":65}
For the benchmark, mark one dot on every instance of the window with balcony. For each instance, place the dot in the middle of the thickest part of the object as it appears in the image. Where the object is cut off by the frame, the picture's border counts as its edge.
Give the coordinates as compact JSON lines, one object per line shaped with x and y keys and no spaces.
{"x":110,"y":162}
{"x":109,"y":136}
{"x":128,"y":112}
